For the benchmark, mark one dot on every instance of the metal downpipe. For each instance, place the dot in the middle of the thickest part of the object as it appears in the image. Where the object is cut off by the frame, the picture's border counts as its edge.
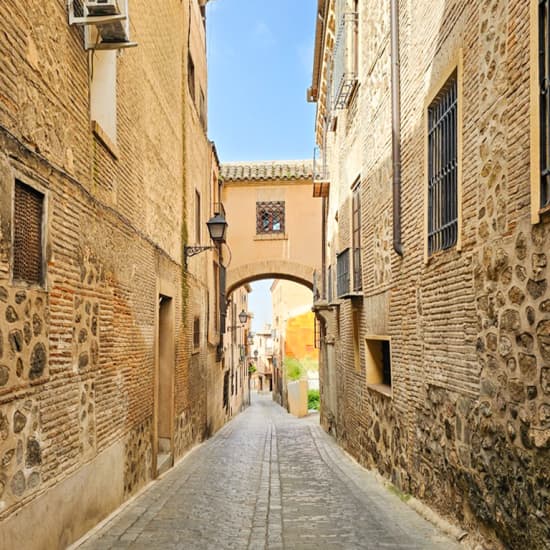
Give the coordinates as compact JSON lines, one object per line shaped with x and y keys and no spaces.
{"x":396,"y":126}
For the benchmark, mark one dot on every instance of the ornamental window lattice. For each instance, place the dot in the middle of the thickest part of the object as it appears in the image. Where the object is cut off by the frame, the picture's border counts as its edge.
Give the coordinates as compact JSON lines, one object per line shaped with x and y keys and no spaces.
{"x":27,"y":234}
{"x":270,"y":217}
{"x":544,"y":99}
{"x":443,"y":168}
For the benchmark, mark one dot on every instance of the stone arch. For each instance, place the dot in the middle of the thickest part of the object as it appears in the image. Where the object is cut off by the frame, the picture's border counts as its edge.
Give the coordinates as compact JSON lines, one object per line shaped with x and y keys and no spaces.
{"x":269,"y":269}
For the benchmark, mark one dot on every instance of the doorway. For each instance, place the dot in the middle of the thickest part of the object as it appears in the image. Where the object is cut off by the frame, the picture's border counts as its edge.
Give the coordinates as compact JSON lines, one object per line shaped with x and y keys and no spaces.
{"x":165,"y":383}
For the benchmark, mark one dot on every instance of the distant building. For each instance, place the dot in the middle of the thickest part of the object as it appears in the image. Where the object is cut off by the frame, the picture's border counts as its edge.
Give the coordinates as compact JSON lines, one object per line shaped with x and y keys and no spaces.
{"x":432,"y":122}
{"x":294,"y":334}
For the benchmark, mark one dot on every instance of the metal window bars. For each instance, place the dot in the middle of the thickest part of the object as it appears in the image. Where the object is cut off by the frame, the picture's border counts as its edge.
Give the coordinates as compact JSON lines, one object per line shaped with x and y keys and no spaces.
{"x":270,"y":217}
{"x":544,"y":99}
{"x":443,"y":169}
{"x":343,"y":273}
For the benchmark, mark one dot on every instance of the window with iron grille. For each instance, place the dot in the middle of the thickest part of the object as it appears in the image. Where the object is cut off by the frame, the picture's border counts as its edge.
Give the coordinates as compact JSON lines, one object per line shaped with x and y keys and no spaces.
{"x":443,"y":168}
{"x":544,"y":100}
{"x":356,"y":238}
{"x":27,"y":234}
{"x":270,"y":217}
{"x":342,"y":273}
{"x":196,"y":332}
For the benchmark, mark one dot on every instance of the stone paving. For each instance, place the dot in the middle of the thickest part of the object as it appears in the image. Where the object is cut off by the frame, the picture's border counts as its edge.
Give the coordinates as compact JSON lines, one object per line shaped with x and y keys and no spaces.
{"x":268,"y":480}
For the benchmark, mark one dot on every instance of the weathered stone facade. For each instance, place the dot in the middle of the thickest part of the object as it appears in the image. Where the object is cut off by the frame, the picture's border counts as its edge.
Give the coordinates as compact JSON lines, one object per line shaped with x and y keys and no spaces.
{"x":98,"y":372}
{"x":465,"y":425}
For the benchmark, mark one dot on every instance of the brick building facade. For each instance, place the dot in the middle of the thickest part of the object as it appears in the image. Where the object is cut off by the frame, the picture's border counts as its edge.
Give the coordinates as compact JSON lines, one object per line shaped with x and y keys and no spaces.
{"x":105,"y":172}
{"x":434,"y":362}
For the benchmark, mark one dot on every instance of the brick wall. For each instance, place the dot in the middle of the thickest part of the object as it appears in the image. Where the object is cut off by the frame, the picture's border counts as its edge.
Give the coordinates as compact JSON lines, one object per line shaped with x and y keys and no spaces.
{"x":78,"y":357}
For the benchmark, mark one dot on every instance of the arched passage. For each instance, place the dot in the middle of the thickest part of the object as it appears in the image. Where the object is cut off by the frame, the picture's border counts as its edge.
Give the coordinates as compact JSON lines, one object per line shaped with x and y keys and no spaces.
{"x":269,"y":269}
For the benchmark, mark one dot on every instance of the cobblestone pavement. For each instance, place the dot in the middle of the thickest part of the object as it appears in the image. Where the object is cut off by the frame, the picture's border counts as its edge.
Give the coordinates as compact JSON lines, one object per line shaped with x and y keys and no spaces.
{"x":268,"y":480}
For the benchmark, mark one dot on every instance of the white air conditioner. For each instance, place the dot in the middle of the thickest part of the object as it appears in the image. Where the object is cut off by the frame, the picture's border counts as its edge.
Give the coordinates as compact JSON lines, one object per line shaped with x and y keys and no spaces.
{"x":97,"y":8}
{"x":106,"y":24}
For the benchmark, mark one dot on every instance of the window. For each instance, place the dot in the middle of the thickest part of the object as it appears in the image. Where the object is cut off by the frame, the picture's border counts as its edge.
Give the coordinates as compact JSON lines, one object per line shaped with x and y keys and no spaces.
{"x":196,"y":332}
{"x":443,"y":168}
{"x":378,"y":360}
{"x":330,"y":293}
{"x":202,"y":109}
{"x":191,"y":76}
{"x":356,"y":238}
{"x":544,"y":99}
{"x":342,"y":273}
{"x":345,"y":53}
{"x":197,"y":217}
{"x":103,"y":97}
{"x":28,"y":212}
{"x":270,"y":217}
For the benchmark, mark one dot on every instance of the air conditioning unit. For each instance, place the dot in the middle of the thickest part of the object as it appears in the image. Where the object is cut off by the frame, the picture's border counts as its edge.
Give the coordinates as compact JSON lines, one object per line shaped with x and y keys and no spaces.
{"x":106,"y":23}
{"x":98,"y":8}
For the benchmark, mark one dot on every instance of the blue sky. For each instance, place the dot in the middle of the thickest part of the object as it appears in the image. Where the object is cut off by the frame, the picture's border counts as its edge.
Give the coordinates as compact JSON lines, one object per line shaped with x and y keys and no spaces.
{"x":260,"y":58}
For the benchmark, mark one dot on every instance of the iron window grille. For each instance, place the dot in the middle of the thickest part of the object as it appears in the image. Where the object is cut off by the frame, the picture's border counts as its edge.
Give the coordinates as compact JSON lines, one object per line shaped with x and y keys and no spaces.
{"x":356,"y":238}
{"x":270,"y":217}
{"x":27,"y":234}
{"x":544,"y":100}
{"x":343,"y":273}
{"x":443,"y":168}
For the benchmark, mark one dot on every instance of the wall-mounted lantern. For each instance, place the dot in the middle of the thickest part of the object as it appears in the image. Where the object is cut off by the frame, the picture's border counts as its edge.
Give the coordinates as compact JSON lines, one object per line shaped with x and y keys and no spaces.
{"x":217,"y":229}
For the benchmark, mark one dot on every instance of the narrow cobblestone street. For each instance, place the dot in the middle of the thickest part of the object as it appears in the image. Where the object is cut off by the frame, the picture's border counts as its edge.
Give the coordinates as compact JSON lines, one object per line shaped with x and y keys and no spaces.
{"x":268,"y":480}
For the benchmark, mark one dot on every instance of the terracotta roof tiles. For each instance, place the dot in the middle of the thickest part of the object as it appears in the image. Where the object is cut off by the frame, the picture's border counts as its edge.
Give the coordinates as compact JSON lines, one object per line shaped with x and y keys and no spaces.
{"x":267,"y":170}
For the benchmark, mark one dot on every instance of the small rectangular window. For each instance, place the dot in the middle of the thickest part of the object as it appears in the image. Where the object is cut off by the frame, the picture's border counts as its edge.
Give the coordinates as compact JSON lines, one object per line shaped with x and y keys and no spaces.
{"x":197,"y":217}
{"x":443,"y":168}
{"x":378,"y":360}
{"x":270,"y":217}
{"x":196,"y":332}
{"x":202,"y":109}
{"x":27,"y":234}
{"x":544,"y":101}
{"x":191,"y":76}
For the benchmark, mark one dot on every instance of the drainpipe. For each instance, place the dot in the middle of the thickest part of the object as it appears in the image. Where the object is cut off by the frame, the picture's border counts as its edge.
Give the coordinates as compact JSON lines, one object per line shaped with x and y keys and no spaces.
{"x":396,"y":126}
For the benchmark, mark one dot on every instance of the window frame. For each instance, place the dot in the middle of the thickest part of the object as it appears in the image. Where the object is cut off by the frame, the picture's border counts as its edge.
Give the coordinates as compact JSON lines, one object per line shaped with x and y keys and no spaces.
{"x":31,"y":183}
{"x":456,"y":66}
{"x":374,"y":370}
{"x":535,"y":113}
{"x":262,"y":206}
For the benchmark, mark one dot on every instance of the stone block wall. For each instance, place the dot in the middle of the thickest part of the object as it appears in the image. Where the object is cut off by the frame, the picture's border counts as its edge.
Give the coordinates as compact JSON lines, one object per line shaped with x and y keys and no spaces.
{"x":466,"y":426}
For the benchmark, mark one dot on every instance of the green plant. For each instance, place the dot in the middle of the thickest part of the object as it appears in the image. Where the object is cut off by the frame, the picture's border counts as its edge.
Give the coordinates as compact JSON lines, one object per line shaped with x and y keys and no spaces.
{"x":252,"y":368}
{"x":294,"y":369}
{"x":313,"y":400}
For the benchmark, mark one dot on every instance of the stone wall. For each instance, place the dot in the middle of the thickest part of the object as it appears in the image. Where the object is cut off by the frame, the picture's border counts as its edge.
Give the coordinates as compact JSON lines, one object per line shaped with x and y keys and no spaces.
{"x":466,"y":424}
